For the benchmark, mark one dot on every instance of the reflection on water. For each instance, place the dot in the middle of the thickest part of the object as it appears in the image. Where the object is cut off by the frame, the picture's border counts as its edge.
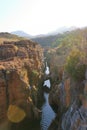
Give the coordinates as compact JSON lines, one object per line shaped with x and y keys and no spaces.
{"x":47,"y":114}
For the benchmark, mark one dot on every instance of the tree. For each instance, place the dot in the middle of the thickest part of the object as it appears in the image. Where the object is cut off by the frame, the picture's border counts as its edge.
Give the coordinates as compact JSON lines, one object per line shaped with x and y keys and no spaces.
{"x":75,"y":65}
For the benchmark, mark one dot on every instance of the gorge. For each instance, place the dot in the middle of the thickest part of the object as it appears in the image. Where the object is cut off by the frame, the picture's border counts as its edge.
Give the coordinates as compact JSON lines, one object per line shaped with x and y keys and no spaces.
{"x":47,"y":113}
{"x":40,"y":94}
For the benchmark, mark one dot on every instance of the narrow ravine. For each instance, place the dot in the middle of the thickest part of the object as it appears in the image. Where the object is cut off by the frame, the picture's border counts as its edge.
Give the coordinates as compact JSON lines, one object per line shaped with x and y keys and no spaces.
{"x":47,"y":113}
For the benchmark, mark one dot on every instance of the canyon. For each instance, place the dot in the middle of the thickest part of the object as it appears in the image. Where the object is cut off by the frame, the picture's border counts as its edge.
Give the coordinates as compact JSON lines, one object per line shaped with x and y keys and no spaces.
{"x":24,"y":80}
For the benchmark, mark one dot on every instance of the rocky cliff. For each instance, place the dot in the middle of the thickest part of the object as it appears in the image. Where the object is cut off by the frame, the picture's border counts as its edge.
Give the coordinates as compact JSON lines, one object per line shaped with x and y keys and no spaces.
{"x":20,"y":72}
{"x":69,"y":100}
{"x":68,"y":64}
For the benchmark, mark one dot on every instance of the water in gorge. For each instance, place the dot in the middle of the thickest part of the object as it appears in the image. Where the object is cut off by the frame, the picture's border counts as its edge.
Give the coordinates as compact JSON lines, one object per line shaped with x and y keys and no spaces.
{"x":47,"y":113}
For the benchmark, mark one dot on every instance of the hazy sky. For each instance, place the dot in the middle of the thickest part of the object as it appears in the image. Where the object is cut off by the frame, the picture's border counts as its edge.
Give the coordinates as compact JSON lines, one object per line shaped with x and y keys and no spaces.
{"x":41,"y":16}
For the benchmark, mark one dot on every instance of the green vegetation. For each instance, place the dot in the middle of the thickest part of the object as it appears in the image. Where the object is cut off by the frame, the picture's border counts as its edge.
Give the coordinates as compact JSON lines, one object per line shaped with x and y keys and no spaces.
{"x":48,"y":41}
{"x":69,"y":50}
{"x":34,"y":77}
{"x":35,"y":73}
{"x":75,"y":65}
{"x":68,"y":39}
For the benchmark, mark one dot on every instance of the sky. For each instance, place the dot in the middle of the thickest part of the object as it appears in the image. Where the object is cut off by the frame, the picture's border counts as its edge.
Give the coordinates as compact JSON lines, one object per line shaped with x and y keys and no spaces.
{"x":41,"y":16}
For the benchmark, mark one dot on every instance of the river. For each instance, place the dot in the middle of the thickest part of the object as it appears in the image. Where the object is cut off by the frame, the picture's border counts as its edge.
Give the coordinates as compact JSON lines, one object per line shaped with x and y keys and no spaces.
{"x":47,"y":113}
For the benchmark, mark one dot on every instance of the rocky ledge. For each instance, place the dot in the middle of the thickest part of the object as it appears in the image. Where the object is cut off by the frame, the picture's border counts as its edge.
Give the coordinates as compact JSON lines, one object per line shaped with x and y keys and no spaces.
{"x":20,"y":72}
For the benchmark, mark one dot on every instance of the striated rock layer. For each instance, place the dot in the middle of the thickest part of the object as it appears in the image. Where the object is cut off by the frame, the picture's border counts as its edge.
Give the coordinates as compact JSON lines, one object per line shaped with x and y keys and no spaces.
{"x":69,"y":100}
{"x":20,"y":72}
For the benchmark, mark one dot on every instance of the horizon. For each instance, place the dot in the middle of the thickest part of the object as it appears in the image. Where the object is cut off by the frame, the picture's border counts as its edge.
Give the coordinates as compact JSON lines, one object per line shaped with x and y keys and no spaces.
{"x":41,"y":17}
{"x":42,"y":34}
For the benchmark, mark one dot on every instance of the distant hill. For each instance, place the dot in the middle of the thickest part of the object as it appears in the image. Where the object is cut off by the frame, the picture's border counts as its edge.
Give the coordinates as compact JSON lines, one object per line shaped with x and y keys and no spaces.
{"x":57,"y":31}
{"x":52,"y":39}
{"x":45,"y":41}
{"x":62,"y":30}
{"x":21,"y":34}
{"x":5,"y":36}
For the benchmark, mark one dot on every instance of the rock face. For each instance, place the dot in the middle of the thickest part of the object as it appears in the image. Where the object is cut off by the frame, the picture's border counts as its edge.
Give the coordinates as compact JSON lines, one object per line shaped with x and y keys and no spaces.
{"x":69,"y":100}
{"x":7,"y":51}
{"x":20,"y":69}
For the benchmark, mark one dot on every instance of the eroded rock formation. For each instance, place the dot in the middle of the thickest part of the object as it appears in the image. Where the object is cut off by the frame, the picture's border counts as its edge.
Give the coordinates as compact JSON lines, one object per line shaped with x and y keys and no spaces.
{"x":69,"y":100}
{"x":20,"y":70}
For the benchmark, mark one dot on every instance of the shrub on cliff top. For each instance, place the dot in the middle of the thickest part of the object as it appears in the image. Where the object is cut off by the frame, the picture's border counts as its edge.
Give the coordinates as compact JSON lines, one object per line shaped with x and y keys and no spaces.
{"x":75,"y":65}
{"x":35,"y":73}
{"x":34,"y":77}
